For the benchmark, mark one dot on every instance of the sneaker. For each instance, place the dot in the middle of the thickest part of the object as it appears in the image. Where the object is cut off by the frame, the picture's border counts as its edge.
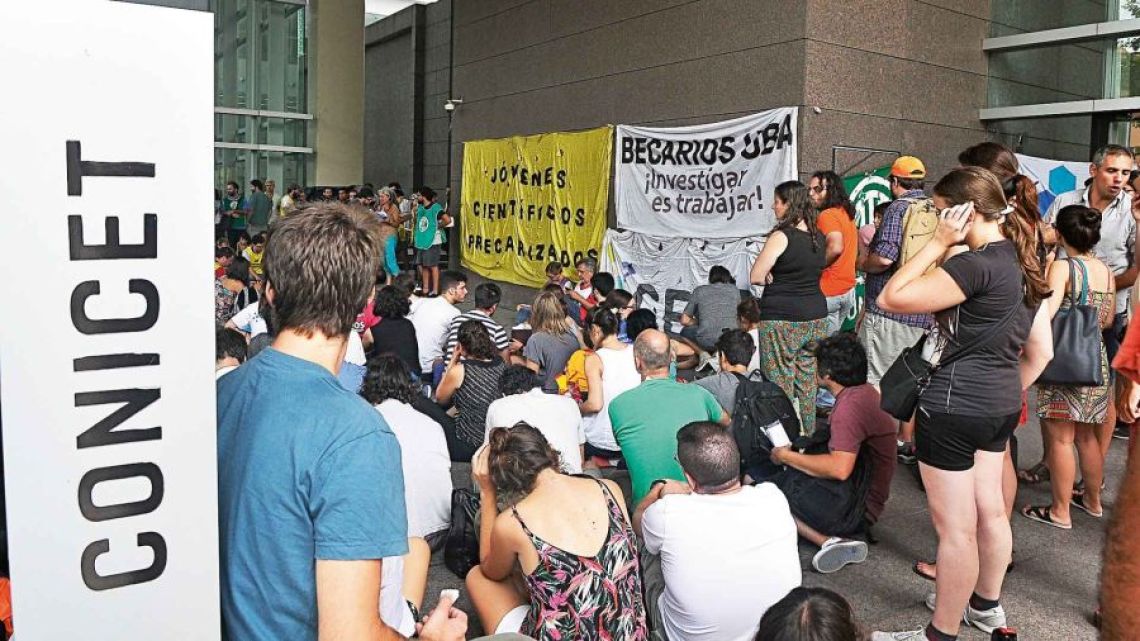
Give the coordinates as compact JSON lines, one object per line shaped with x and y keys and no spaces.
{"x":984,"y":620}
{"x":909,"y":635}
{"x":836,"y":553}
{"x":1120,"y":431}
{"x":906,"y":454}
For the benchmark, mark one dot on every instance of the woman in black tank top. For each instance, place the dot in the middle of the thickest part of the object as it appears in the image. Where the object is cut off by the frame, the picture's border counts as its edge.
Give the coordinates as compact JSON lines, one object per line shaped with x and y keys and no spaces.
{"x":793,"y":310}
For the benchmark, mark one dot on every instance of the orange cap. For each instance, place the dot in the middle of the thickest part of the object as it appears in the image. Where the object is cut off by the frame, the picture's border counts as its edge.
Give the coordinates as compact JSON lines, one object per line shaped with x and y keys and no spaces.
{"x":908,"y":167}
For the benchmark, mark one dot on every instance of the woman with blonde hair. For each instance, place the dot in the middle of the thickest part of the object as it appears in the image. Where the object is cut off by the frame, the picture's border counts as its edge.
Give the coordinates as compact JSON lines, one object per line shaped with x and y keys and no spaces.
{"x":552,"y":342}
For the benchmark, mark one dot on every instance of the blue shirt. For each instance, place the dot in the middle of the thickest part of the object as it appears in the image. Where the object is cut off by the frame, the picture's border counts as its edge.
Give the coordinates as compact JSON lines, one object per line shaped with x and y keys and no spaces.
{"x":888,"y":243}
{"x":306,"y":470}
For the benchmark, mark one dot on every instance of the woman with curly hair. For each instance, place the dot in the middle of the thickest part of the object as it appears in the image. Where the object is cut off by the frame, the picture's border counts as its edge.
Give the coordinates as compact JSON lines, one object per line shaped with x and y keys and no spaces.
{"x":395,"y":333}
{"x":576,"y":587}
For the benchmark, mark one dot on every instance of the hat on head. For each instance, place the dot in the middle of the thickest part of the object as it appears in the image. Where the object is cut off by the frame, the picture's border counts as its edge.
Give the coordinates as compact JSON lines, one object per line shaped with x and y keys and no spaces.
{"x":908,"y":167}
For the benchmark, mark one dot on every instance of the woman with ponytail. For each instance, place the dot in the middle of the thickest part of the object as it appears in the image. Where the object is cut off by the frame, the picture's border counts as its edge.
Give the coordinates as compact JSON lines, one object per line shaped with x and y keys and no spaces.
{"x":550,"y":530}
{"x":967,"y":412}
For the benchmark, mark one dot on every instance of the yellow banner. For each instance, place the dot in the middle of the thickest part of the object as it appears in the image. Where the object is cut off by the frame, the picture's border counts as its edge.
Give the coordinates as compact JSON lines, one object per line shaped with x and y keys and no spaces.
{"x":531,"y":200}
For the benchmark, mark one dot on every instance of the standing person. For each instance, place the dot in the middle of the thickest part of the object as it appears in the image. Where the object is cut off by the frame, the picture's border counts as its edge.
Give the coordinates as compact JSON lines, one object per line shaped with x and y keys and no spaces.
{"x":1069,"y":412}
{"x":841,"y":241}
{"x":471,"y":383}
{"x":234,"y":210}
{"x":274,"y":198}
{"x":289,"y":435}
{"x":428,"y":240}
{"x":610,"y":370}
{"x":711,"y":309}
{"x":690,"y":527}
{"x":289,"y":201}
{"x":969,"y":409}
{"x":576,"y":588}
{"x":388,"y":208}
{"x":552,"y":342}
{"x":883,"y":333}
{"x":260,"y":207}
{"x":646,"y":418}
{"x":793,"y":310}
{"x":1110,"y":169}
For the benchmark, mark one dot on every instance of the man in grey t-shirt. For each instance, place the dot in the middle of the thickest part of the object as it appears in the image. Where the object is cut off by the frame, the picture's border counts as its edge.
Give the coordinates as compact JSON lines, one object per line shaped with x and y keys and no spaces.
{"x":711,"y":309}
{"x":736,"y":348}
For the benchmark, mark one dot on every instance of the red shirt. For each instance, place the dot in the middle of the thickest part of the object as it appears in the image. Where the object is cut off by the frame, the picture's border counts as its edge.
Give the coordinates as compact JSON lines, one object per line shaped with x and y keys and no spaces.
{"x":857,"y":419}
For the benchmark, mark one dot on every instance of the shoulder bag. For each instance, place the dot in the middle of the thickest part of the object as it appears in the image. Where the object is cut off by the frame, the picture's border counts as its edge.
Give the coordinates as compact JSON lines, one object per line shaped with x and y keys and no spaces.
{"x":1076,"y":338}
{"x":903,"y":384}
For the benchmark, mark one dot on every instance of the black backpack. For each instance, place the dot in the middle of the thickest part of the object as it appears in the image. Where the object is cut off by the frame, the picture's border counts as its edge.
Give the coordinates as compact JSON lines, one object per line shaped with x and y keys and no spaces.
{"x":758,"y":403}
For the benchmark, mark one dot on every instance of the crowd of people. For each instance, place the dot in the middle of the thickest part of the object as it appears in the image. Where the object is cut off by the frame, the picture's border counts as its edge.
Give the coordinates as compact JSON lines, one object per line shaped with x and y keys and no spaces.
{"x":348,"y":386}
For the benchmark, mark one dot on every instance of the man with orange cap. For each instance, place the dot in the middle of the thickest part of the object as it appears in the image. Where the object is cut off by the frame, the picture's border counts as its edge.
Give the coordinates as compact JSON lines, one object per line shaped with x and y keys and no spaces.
{"x":883,"y":334}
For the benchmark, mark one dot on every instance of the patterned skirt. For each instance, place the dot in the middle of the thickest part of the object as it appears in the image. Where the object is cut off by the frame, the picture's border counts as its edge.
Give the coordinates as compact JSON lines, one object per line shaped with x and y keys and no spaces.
{"x":1073,"y":403}
{"x":786,"y":359}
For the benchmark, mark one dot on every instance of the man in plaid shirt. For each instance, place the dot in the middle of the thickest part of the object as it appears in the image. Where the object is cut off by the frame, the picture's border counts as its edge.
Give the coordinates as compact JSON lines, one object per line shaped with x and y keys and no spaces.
{"x":883,"y":334}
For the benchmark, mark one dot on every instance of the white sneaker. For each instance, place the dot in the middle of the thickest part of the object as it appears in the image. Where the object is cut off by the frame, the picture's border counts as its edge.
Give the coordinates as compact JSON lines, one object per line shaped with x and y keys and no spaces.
{"x":909,"y":635}
{"x":836,"y":553}
{"x":984,"y":620}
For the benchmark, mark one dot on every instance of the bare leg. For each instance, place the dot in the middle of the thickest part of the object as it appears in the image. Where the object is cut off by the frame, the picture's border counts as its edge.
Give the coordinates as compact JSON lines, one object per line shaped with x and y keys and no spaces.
{"x":492,"y":599}
{"x":1008,"y":482}
{"x":1062,"y":467}
{"x":416,"y":563}
{"x":955,"y":516}
{"x":1092,"y":463}
{"x":435,"y":279}
{"x":424,"y":281}
{"x":810,"y":534}
{"x":906,"y":431}
{"x":995,"y":539}
{"x":1104,"y":431}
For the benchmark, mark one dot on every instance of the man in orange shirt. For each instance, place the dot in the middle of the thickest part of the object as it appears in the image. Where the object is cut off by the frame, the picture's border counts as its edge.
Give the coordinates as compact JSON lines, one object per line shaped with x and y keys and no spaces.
{"x":837,"y":223}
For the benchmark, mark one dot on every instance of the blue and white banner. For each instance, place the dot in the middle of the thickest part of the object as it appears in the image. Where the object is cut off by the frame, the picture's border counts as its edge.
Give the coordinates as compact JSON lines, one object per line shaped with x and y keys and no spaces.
{"x":1052,"y":177}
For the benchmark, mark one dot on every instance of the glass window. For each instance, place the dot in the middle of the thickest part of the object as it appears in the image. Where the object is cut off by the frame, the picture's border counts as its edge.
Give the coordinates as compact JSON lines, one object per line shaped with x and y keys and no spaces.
{"x":1059,"y":137}
{"x":243,"y":165}
{"x":1063,"y":73}
{"x":1009,"y":17}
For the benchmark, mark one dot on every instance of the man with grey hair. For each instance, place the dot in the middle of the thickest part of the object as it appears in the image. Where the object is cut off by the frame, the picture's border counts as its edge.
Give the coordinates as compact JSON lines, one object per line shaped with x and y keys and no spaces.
{"x":646,"y":418}
{"x":1109,"y":171}
{"x":581,"y":299}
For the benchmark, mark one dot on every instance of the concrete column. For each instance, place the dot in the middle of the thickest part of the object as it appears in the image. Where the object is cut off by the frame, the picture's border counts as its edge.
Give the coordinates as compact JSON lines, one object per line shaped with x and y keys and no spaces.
{"x":336,"y":90}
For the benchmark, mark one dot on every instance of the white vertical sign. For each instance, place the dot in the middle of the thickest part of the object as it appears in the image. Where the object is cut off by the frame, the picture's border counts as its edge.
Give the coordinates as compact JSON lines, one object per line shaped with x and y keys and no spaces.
{"x":106,"y":328}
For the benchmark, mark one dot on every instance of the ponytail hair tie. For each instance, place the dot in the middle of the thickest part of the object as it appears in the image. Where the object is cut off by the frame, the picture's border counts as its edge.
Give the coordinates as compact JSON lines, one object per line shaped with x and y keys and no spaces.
{"x":1007,"y":211}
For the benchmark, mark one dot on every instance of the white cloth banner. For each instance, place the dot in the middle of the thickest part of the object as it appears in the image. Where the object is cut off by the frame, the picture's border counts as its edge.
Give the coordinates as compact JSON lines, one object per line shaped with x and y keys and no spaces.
{"x":107,"y":356}
{"x":662,"y":272}
{"x":1052,"y":177}
{"x":704,"y":181}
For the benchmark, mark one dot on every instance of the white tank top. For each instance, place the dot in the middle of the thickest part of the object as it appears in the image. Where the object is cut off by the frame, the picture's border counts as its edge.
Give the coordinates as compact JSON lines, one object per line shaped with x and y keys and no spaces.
{"x":618,"y":375}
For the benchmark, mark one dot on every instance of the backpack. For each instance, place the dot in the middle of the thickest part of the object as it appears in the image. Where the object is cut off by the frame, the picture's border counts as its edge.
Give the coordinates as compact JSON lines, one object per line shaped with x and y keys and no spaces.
{"x":758,"y":404}
{"x":918,"y":225}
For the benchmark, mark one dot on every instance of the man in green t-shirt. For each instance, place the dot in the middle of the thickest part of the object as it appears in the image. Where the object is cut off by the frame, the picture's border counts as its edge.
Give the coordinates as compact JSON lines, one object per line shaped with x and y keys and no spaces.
{"x":427,"y":238}
{"x":234,"y":209}
{"x":646,"y":419}
{"x":260,"y":206}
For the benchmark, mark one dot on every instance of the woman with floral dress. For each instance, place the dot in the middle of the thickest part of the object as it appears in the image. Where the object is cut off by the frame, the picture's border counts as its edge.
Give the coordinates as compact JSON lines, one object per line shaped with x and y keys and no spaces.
{"x":570,"y":536}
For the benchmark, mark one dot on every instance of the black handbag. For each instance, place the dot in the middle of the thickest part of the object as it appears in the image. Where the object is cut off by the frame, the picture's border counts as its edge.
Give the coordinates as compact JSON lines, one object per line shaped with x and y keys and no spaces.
{"x":1076,"y":338}
{"x":461,"y":551}
{"x":906,"y":379}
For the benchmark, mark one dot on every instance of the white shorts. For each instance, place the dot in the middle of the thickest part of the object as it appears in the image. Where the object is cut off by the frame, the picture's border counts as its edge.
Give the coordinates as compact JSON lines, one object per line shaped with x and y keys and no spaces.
{"x":513,"y":620}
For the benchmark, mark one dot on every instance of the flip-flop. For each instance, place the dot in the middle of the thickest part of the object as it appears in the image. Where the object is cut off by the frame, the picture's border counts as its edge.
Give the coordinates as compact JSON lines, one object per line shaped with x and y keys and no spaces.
{"x":1078,"y":501}
{"x":1036,"y":474}
{"x":917,"y":569}
{"x":1041,"y":514}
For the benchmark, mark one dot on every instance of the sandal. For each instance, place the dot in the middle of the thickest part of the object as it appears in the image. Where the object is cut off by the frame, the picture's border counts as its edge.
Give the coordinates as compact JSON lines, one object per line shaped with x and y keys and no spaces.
{"x":1079,"y":486}
{"x":1042,"y":514}
{"x":1078,"y":501}
{"x":1037,"y":474}
{"x":917,"y":569}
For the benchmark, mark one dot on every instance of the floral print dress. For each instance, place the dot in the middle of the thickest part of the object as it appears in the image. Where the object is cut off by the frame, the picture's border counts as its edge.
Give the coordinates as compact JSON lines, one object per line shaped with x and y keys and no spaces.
{"x":587,"y":598}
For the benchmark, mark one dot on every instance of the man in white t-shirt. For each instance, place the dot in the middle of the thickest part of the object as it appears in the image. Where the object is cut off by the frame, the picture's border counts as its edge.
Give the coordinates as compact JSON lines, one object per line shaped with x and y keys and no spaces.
{"x":709,"y":531}
{"x":557,"y":417}
{"x":431,"y":318}
{"x":248,"y":321}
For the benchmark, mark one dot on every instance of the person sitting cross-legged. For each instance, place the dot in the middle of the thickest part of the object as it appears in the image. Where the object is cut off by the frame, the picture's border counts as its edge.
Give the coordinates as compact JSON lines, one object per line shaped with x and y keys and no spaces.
{"x":857,"y":424}
{"x":708,"y":531}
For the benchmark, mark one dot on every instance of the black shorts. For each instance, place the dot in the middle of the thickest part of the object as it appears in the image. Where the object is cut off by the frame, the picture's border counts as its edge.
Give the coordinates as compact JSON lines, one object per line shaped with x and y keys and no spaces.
{"x":948,"y":442}
{"x":428,"y":257}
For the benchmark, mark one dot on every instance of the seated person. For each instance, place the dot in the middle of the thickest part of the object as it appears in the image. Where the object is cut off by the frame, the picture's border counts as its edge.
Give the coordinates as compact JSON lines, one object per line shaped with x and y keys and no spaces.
{"x":602,"y":284}
{"x":686,"y":355}
{"x":857,"y":423}
{"x":581,"y":296}
{"x":469,"y":386}
{"x":645,"y":419}
{"x":748,"y":321}
{"x":711,"y":530}
{"x":622,"y":304}
{"x":423,"y":447}
{"x":735,"y":349}
{"x":711,"y":309}
{"x":230,"y":351}
{"x":809,"y":613}
{"x":575,"y":589}
{"x":557,"y":417}
{"x":403,"y":580}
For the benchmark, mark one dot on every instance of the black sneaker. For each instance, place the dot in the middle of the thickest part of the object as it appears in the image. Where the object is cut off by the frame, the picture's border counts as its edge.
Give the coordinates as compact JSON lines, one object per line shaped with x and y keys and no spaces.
{"x":906,"y":454}
{"x":1121,"y":431}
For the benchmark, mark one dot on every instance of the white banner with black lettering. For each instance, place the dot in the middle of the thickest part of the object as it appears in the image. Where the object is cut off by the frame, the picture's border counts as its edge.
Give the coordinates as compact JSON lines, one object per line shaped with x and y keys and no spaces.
{"x":704,"y":181}
{"x":107,"y":332}
{"x":662,"y":272}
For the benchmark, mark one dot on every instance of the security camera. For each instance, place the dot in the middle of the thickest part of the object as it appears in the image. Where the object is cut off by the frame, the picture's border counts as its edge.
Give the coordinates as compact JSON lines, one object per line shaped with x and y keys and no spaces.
{"x":452,"y":103}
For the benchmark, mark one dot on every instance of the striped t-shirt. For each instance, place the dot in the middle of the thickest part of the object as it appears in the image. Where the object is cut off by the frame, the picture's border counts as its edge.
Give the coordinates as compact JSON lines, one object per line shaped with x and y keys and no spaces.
{"x":498,"y":334}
